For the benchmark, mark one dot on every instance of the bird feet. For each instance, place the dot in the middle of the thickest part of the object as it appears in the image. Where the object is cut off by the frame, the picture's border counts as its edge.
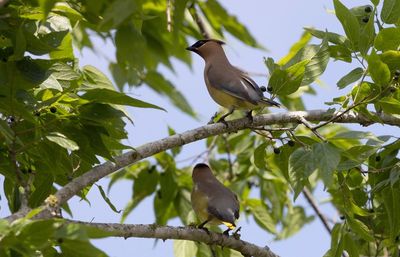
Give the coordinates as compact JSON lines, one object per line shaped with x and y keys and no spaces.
{"x":236,"y":234}
{"x":249,"y":115}
{"x":212,"y":118}
{"x":226,"y":232}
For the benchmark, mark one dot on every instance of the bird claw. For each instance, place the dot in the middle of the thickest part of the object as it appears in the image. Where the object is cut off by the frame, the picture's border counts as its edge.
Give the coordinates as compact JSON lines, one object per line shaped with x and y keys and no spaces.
{"x":226,"y":232}
{"x":205,"y":229}
{"x":223,"y":121}
{"x":249,"y":115}
{"x":236,"y":234}
{"x":212,"y":118}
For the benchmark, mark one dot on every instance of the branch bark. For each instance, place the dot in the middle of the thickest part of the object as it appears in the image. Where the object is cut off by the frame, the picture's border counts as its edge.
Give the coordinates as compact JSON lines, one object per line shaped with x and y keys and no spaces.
{"x":183,"y":233}
{"x":152,"y":148}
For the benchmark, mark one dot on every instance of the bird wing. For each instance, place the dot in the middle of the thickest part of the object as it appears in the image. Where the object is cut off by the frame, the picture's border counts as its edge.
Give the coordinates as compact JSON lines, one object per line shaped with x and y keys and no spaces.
{"x":235,"y":83}
{"x":224,"y":205}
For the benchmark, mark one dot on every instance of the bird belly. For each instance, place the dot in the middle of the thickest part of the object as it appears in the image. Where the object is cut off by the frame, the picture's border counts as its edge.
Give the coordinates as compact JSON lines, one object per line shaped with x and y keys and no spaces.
{"x":200,"y":204}
{"x":229,"y":101}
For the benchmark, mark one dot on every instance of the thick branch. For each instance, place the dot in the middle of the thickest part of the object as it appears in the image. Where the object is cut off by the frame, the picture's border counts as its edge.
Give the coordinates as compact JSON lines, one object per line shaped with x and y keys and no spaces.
{"x":152,"y":148}
{"x":183,"y":233}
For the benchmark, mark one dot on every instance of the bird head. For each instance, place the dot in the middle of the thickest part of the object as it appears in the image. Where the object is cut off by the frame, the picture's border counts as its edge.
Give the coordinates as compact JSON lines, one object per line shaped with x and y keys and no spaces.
{"x":201,"y":171}
{"x":205,"y":47}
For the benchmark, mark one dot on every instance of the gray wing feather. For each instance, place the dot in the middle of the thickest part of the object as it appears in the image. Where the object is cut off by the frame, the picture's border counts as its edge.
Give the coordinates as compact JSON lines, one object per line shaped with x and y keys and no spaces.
{"x":235,"y":83}
{"x":224,"y":205}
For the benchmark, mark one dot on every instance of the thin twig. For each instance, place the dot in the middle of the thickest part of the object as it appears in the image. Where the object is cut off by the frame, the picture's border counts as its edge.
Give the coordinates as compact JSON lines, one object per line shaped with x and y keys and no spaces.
{"x":311,"y":128}
{"x":169,"y":21}
{"x":199,"y":21}
{"x":311,"y":201}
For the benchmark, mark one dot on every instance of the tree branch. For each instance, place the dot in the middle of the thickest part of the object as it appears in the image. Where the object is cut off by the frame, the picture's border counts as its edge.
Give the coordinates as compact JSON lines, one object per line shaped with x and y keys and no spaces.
{"x":311,"y":201}
{"x":152,"y":148}
{"x":183,"y":233}
{"x":199,"y":21}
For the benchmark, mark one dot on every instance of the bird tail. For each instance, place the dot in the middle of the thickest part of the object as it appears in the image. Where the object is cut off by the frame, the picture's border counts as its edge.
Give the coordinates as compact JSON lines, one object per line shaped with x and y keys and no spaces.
{"x":231,"y":226}
{"x":270,"y":102}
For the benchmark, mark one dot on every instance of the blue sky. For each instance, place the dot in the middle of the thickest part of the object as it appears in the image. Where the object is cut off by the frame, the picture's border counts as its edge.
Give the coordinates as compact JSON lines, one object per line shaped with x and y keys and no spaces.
{"x":276,"y":25}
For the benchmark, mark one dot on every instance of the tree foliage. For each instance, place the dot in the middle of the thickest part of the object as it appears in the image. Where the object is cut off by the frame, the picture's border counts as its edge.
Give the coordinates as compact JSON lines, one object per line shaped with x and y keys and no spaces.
{"x":58,"y":120}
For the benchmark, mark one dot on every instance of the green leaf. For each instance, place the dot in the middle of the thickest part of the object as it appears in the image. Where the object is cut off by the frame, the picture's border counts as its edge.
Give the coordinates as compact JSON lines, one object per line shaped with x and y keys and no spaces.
{"x":162,"y":86}
{"x":95,"y":78}
{"x":285,"y":82}
{"x":350,"y":77}
{"x":388,"y":39}
{"x":79,"y":248}
{"x":107,"y":200}
{"x":104,"y":95}
{"x":390,"y":105}
{"x":259,"y":156}
{"x":326,"y":158}
{"x":261,"y":215}
{"x":367,"y":35}
{"x":350,"y":245}
{"x":62,"y":141}
{"x":390,"y":13}
{"x":322,"y":157}
{"x":360,"y":229}
{"x":336,"y":241}
{"x":184,"y":248}
{"x":145,"y":184}
{"x":46,"y":6}
{"x":317,"y":64}
{"x":391,"y":201}
{"x":118,"y":11}
{"x":378,"y":70}
{"x":392,"y":59}
{"x":126,"y":39}
{"x":330,"y":36}
{"x":219,"y":17}
{"x":295,"y":48}
{"x":349,"y":22}
{"x":295,"y":219}
{"x":51,"y":83}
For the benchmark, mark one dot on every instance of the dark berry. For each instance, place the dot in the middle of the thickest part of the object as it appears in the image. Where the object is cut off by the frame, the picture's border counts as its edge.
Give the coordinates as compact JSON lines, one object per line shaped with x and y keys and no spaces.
{"x":365,"y":19}
{"x":53,"y":109}
{"x":342,"y":217}
{"x":396,"y":77}
{"x":377,"y":158}
{"x":368,"y":9}
{"x":397,"y":73}
{"x":291,"y":143}
{"x":277,"y":151}
{"x":269,"y":89}
{"x":392,"y":89}
{"x":263,"y":88}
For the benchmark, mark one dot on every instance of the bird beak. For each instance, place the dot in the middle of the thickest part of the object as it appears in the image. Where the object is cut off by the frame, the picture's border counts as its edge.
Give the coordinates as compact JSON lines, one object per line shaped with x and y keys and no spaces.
{"x":191,"y":48}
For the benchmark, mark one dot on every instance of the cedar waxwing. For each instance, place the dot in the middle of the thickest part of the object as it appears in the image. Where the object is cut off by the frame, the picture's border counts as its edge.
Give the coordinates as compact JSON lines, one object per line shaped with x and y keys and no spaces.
{"x":212,"y":202}
{"x":228,"y":86}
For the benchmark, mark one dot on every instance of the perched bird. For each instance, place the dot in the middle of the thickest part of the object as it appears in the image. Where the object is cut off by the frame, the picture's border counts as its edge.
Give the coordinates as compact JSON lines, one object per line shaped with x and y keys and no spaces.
{"x":212,"y":202}
{"x":229,"y":86}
